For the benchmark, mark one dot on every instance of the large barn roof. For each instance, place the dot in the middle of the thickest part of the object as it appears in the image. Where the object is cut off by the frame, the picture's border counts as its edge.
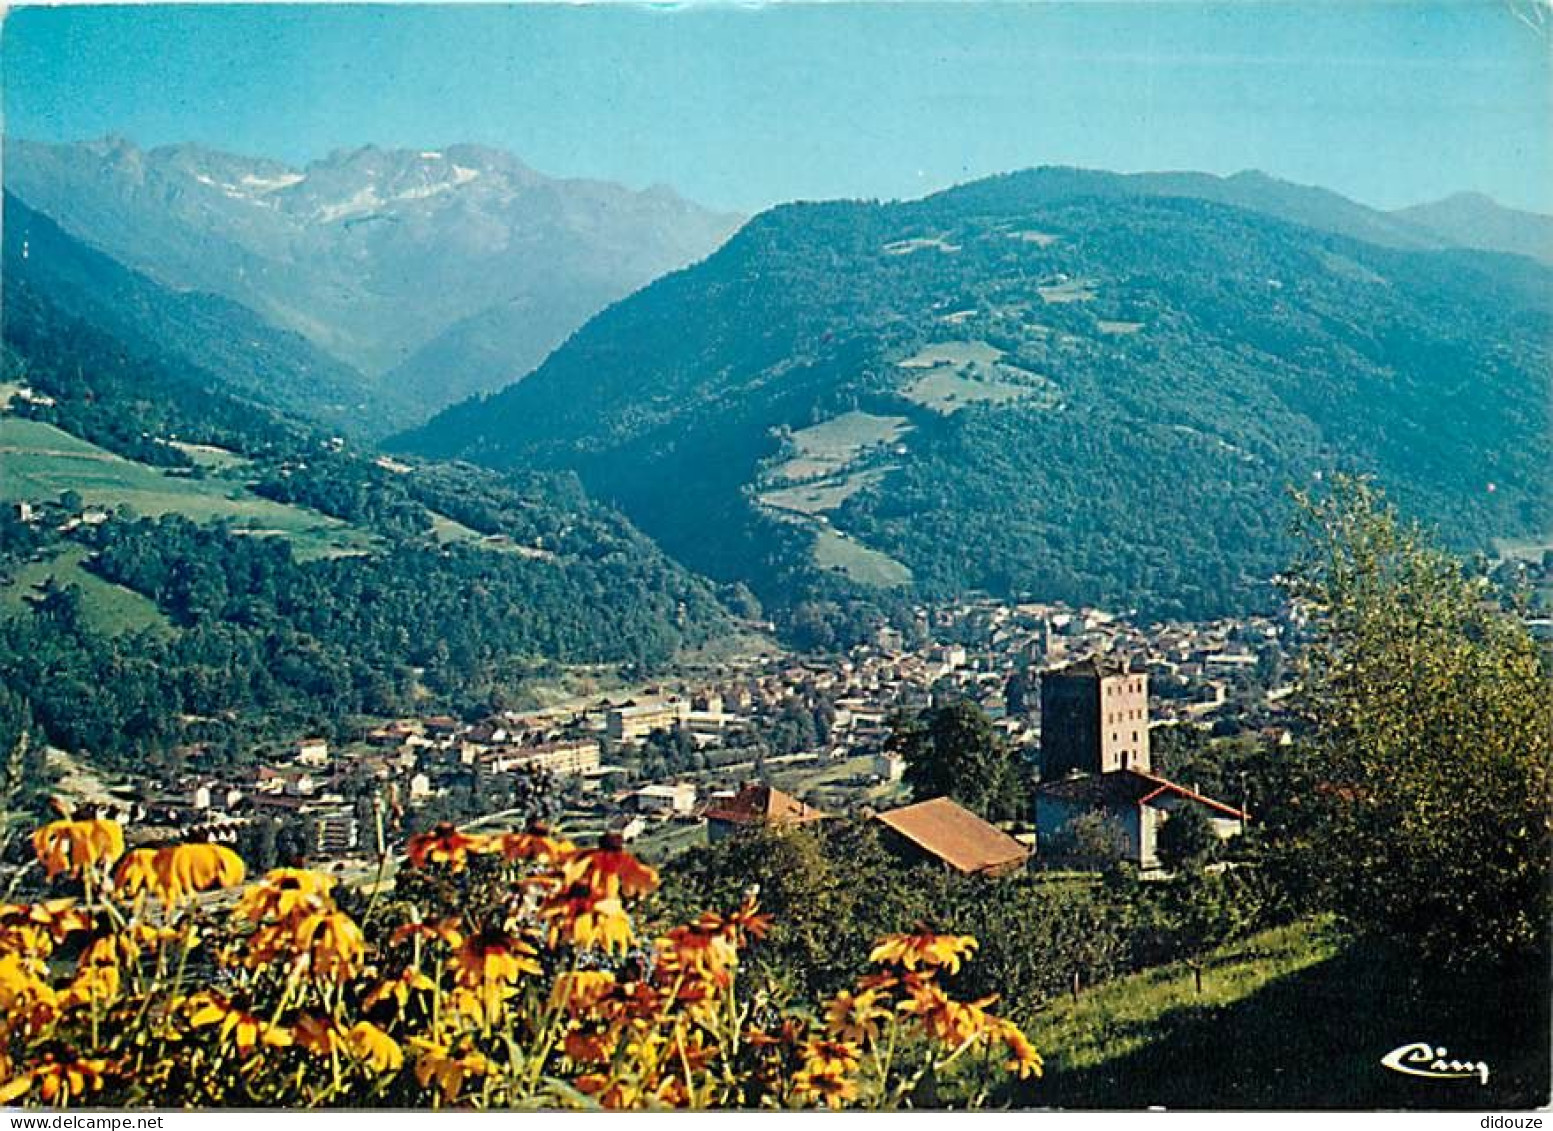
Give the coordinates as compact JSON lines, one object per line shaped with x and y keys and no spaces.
{"x":955,"y":835}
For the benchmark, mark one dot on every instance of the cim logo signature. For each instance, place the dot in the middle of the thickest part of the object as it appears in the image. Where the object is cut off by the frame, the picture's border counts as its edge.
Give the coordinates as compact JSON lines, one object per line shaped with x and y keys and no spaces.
{"x":1429,"y":1061}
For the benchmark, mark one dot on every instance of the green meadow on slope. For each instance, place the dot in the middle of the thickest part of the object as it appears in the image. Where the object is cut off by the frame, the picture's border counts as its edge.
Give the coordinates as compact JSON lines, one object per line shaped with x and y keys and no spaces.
{"x":1292,"y":1017}
{"x":42,"y":462}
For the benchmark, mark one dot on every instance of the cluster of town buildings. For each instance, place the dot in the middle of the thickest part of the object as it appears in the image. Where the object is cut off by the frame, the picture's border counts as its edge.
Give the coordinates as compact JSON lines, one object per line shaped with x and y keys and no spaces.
{"x":1091,"y":725}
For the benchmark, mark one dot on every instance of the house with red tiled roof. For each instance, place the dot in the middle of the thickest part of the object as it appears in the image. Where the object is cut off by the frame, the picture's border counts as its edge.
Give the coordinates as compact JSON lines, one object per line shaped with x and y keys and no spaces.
{"x":1139,"y":803}
{"x":756,"y":805}
{"x":1095,"y":750}
{"x":952,"y":835}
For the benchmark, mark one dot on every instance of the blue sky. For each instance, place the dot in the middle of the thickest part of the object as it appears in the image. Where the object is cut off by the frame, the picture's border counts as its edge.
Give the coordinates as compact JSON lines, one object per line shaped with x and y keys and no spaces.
{"x":744,"y":106}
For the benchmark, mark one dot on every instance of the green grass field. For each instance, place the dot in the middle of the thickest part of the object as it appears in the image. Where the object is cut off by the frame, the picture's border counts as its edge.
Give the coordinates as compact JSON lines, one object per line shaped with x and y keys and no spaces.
{"x":824,"y":496}
{"x":827,"y":447}
{"x":108,"y":608}
{"x":40,"y":462}
{"x":964,"y":373}
{"x":955,"y":354}
{"x":1295,"y":1017}
{"x":1523,"y":549}
{"x":209,"y":456}
{"x":829,"y":785}
{"x":834,"y":550}
{"x":947,"y":393}
{"x":1074,"y":290}
{"x":668,"y":840}
{"x":920,"y":243}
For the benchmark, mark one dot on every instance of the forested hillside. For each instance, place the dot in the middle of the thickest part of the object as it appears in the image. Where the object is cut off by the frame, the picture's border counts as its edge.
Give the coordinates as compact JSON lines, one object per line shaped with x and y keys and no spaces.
{"x":233,"y":348}
{"x":1046,"y":383}
{"x":191,"y":569}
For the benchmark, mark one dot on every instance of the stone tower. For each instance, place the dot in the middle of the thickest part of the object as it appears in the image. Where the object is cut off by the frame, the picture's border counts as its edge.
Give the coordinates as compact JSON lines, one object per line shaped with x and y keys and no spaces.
{"x":1094,"y":719}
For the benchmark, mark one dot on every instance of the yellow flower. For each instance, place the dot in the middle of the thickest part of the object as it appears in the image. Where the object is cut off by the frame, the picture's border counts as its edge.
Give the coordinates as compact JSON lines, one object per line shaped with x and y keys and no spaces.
{"x":60,"y":917}
{"x":443,"y":931}
{"x":580,"y":917}
{"x":243,"y":1029}
{"x":375,"y":1048}
{"x":702,"y":953}
{"x":320,"y":1036}
{"x":536,"y":843}
{"x":332,"y":942}
{"x":111,"y":943}
{"x":447,"y":1068}
{"x":923,"y":949}
{"x":854,"y":1017}
{"x":33,"y":929}
{"x":824,"y":1057}
{"x":94,"y":982}
{"x":398,"y":989}
{"x":593,"y":1045}
{"x":945,"y":1019}
{"x":284,"y":892}
{"x":445,"y":844}
{"x":70,"y":846}
{"x":182,"y":870}
{"x":582,"y":991}
{"x":832,"y":1089}
{"x":490,"y":962}
{"x":611,"y":871}
{"x":23,"y":985}
{"x":1023,"y":1057}
{"x":137,"y":873}
{"x":60,"y":1080}
{"x":494,"y":955}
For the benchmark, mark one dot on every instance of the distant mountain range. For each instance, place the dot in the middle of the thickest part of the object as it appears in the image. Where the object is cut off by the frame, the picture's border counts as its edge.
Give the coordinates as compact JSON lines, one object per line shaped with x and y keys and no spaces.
{"x":1466,"y":220}
{"x":1060,"y":383}
{"x":56,"y":289}
{"x":436,"y":273}
{"x":1470,"y":219}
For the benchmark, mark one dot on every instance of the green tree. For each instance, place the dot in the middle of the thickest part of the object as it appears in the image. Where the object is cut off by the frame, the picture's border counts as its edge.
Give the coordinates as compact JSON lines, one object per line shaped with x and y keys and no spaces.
{"x":953,"y":751}
{"x":1186,"y":840}
{"x":1419,"y":806}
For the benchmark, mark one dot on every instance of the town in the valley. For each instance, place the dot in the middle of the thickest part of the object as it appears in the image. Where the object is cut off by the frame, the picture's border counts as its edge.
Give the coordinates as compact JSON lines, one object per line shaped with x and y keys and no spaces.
{"x":776,"y":738}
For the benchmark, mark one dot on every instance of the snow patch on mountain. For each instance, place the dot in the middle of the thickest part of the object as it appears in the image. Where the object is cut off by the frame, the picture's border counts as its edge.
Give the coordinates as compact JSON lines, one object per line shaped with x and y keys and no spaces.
{"x":364,"y":200}
{"x":271,"y":184}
